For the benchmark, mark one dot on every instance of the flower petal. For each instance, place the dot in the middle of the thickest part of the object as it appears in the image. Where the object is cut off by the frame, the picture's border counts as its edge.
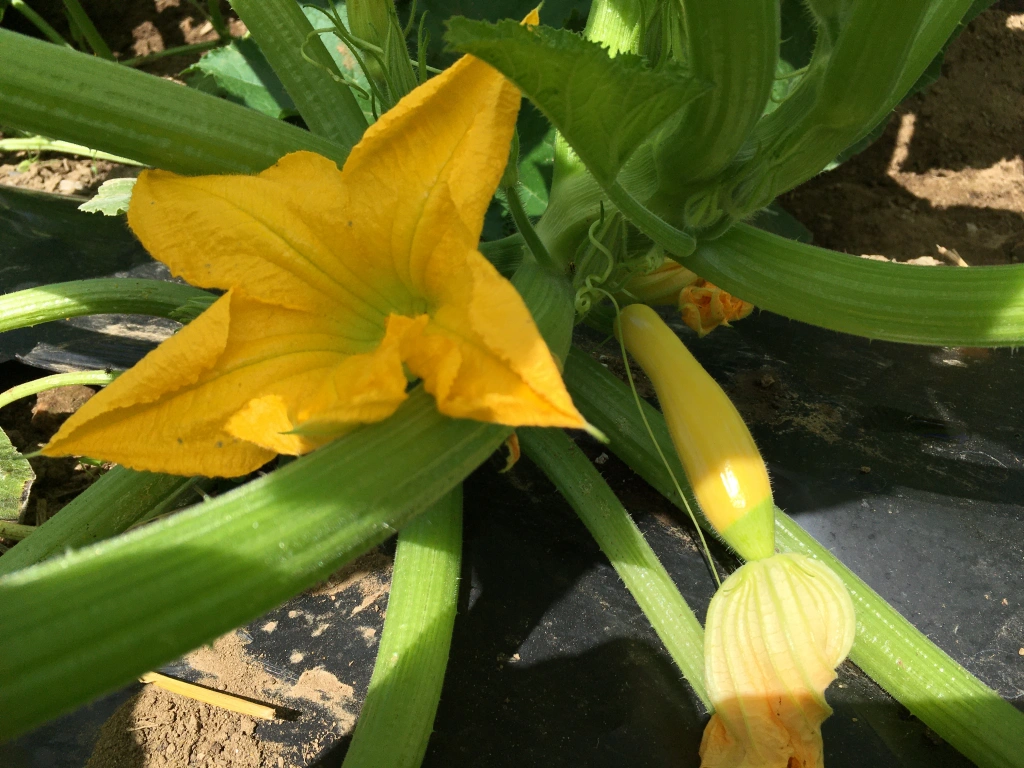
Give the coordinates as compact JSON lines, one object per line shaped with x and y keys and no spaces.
{"x":172,"y":412}
{"x":775,"y":632}
{"x":448,"y":137}
{"x":481,"y":355}
{"x":280,"y":236}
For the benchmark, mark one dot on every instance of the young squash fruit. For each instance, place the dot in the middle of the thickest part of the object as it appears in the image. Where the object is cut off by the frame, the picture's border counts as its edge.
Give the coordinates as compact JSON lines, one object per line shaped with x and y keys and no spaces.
{"x":715,"y":447}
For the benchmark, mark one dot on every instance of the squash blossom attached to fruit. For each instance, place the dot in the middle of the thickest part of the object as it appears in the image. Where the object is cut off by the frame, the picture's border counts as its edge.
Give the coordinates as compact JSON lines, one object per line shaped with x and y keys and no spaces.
{"x":703,"y":305}
{"x":775,"y":633}
{"x":338,"y":284}
{"x":781,"y":624}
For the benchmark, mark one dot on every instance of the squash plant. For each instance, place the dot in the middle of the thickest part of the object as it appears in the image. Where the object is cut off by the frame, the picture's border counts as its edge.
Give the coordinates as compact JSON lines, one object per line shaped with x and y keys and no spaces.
{"x":677,"y":122}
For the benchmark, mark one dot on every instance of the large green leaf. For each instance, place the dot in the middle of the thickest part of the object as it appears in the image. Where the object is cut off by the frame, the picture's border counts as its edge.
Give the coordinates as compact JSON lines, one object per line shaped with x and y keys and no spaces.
{"x":977,"y":306}
{"x":605,"y":107}
{"x":69,"y":95}
{"x":136,"y":601}
{"x":241,"y":73}
{"x":306,"y":69}
{"x":899,"y":657}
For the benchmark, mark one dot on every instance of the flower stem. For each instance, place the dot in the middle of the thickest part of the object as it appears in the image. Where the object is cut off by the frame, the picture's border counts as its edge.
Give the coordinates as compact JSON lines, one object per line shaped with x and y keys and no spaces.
{"x":398,"y":716}
{"x":57,"y":380}
{"x":40,"y":23}
{"x":79,"y":18}
{"x":178,"y":50}
{"x":60,"y":301}
{"x":42,"y":144}
{"x":620,"y":539}
{"x":15,"y":531}
{"x":515,"y":207}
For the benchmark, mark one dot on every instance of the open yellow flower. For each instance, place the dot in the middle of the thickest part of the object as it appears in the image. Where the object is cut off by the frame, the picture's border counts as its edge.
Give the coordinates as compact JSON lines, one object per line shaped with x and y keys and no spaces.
{"x":775,"y":633}
{"x":337,"y":283}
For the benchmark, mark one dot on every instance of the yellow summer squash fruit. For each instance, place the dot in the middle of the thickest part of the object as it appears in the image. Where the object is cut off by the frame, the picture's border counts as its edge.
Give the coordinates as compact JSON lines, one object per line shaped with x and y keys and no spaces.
{"x":721,"y":461}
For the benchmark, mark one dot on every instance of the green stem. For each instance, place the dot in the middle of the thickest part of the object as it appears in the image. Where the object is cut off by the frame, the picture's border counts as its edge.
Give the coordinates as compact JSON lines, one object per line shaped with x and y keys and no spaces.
{"x":529,"y":234}
{"x":15,"y":531}
{"x":143,"y":598}
{"x":111,"y":505}
{"x":980,"y":306}
{"x":178,"y":50}
{"x":679,"y":244}
{"x":100,"y":378}
{"x":114,"y":295}
{"x":917,"y":673}
{"x":217,"y":19}
{"x":40,"y":23}
{"x":92,"y":35}
{"x":325,"y":102}
{"x":630,"y":554}
{"x":42,"y":144}
{"x":398,"y":715}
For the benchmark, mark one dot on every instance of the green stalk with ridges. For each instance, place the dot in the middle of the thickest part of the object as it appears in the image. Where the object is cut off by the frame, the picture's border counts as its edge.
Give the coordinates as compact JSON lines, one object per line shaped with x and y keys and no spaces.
{"x":977,"y":307}
{"x":733,"y":44}
{"x":131,"y":603}
{"x":68,"y":95}
{"x":15,"y":531}
{"x":114,"y":295}
{"x":34,"y":387}
{"x":106,"y":508}
{"x":945,"y":696}
{"x":850,"y":85}
{"x":80,"y":19}
{"x":621,"y":541}
{"x":283,"y":32}
{"x":397,"y":717}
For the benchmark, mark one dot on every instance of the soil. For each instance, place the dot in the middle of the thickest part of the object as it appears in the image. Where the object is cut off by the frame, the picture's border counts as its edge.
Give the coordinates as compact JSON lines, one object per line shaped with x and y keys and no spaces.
{"x":157,"y":729}
{"x":948,"y":173}
{"x":30,"y":423}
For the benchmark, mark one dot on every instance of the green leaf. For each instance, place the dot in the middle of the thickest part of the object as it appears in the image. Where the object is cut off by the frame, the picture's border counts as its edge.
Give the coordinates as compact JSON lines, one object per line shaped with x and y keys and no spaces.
{"x":16,"y":478}
{"x":241,"y":73}
{"x":397,"y":717}
{"x":945,"y":696}
{"x":68,"y":95}
{"x":621,"y":541}
{"x":948,"y":306}
{"x":134,"y":602}
{"x":605,"y":107}
{"x":111,"y":199}
{"x":306,"y":69}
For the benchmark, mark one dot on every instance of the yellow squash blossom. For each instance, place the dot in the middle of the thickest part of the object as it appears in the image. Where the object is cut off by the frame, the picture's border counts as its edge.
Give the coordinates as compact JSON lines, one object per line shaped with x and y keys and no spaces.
{"x":337,"y":284}
{"x":703,"y":305}
{"x":775,"y":633}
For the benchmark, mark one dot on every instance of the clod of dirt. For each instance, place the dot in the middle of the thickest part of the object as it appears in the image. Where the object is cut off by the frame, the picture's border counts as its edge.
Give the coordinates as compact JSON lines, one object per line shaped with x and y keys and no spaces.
{"x":53,"y":406}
